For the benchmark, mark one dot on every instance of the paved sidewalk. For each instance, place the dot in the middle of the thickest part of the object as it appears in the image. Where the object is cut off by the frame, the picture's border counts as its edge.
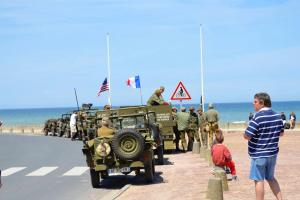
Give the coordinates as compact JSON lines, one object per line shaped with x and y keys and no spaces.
{"x":186,"y":175}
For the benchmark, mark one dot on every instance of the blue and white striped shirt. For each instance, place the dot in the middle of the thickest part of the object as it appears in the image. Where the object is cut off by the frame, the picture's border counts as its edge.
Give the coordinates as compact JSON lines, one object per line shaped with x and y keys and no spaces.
{"x":264,"y":130}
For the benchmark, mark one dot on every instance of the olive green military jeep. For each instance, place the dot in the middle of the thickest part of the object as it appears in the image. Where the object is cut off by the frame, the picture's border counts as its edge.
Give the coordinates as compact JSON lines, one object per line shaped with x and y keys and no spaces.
{"x":131,"y":147}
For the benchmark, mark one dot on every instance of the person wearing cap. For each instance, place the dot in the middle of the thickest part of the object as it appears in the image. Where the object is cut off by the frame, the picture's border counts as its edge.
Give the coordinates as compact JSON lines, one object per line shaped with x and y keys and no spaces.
{"x":107,"y":107}
{"x":156,"y":98}
{"x":183,"y":125}
{"x":212,"y":117}
{"x":175,"y":128}
{"x":105,"y":131}
{"x":201,"y":128}
{"x":193,"y":127}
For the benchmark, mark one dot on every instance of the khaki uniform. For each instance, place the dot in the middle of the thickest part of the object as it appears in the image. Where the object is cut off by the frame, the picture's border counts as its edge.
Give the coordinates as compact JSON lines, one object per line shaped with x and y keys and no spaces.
{"x":175,"y":130}
{"x":155,"y":100}
{"x":104,"y":131}
{"x":193,"y":129}
{"x":212,"y":117}
{"x":183,"y":125}
{"x":202,"y":131}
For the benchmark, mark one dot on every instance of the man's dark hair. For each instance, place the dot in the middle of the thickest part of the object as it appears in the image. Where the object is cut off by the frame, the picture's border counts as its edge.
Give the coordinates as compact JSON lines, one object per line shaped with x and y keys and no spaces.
{"x":263,"y":98}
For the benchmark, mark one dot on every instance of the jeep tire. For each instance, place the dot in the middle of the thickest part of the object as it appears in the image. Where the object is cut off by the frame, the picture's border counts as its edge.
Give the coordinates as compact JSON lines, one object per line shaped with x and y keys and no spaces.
{"x":128,"y":144}
{"x":160,"y":155}
{"x":95,"y":178}
{"x":149,"y":169}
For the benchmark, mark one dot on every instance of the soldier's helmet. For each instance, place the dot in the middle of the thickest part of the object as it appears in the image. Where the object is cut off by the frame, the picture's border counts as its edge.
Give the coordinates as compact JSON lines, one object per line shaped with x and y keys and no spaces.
{"x":157,"y":91}
{"x":191,"y":108}
{"x":199,"y":109}
{"x":183,"y":109}
{"x":210,"y":105}
{"x":106,"y":107}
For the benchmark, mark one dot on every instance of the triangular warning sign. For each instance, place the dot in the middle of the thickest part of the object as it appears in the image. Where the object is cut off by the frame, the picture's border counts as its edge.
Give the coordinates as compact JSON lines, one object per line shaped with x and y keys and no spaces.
{"x":181,"y":93}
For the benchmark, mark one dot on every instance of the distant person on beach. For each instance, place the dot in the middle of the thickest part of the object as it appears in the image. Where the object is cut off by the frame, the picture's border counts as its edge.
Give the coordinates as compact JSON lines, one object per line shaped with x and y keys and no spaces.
{"x":212,"y":117}
{"x":263,"y":134}
{"x":1,"y":123}
{"x":250,"y":116}
{"x":283,"y":117}
{"x":221,"y":155}
{"x":73,"y":122}
{"x":292,"y":120}
{"x":156,"y":98}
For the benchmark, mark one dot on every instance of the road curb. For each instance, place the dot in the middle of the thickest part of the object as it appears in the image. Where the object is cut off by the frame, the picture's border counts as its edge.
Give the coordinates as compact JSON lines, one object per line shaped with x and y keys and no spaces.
{"x":113,"y":195}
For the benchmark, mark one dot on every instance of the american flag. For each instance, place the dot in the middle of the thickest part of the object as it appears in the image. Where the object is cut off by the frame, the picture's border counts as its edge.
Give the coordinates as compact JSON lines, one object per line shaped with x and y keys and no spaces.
{"x":103,"y":87}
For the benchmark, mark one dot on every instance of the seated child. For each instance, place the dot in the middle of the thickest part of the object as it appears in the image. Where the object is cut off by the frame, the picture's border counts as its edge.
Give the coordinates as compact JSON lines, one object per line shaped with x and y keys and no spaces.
{"x":221,"y":156}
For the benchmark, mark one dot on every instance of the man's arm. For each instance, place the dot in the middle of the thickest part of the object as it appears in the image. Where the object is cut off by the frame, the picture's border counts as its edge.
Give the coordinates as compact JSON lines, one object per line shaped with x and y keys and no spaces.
{"x":251,"y":129}
{"x":281,"y":133}
{"x":247,"y":137}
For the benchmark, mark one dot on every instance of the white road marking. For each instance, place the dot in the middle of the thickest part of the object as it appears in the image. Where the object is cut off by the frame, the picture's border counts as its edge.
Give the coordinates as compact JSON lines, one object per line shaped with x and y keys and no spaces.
{"x":42,"y":171}
{"x":76,"y":171}
{"x":11,"y":171}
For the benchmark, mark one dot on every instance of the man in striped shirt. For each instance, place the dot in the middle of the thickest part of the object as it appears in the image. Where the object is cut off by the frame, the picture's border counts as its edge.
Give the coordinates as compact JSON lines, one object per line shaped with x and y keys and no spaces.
{"x":263,"y":134}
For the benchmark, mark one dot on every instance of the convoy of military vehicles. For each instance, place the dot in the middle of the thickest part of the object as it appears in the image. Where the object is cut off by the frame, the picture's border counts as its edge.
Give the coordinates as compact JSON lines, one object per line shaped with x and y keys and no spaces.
{"x":140,"y":133}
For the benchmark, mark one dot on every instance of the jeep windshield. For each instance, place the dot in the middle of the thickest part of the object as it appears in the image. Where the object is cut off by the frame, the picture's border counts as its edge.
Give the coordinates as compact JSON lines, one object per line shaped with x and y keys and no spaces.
{"x":133,"y":122}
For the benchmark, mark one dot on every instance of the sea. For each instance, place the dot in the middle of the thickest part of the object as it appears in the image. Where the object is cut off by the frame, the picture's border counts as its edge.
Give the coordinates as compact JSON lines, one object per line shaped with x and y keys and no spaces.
{"x":229,"y":112}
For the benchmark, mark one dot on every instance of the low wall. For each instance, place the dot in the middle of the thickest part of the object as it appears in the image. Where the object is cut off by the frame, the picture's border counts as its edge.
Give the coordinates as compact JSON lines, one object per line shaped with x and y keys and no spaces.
{"x":22,"y":129}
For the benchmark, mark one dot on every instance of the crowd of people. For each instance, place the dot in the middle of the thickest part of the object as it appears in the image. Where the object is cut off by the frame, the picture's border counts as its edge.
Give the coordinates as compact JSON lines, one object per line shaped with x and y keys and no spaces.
{"x":263,"y":133}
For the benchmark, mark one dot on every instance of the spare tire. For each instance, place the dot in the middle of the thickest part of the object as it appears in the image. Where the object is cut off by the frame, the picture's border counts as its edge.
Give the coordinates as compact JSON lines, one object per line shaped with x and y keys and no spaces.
{"x":128,"y":144}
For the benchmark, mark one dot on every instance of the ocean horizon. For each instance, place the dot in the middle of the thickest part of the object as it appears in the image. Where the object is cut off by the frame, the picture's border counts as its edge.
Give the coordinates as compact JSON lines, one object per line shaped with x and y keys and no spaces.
{"x":229,"y":112}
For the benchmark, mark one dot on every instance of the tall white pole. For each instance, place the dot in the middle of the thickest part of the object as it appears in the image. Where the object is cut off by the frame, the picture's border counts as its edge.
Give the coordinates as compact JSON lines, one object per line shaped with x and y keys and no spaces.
{"x":201,"y":65}
{"x":108,"y":69}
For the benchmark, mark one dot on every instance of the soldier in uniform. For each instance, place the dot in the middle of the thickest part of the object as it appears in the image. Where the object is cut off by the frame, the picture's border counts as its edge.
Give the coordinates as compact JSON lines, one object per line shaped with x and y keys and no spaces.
{"x":193,"y":127}
{"x":107,"y":107}
{"x":183,"y":123}
{"x":175,"y":128}
{"x":212,"y":118}
{"x":156,"y":98}
{"x":105,"y":130}
{"x":202,"y":123}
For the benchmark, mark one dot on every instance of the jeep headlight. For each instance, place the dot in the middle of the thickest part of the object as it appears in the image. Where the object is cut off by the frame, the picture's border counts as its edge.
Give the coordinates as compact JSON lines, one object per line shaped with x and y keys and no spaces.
{"x":103,"y":149}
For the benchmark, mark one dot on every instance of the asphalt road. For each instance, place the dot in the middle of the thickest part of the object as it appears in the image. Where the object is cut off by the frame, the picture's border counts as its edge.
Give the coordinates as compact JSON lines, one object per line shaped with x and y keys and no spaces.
{"x":48,"y":168}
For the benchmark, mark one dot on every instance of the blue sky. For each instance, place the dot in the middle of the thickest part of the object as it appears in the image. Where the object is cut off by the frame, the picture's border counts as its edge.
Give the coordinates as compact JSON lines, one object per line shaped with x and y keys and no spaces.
{"x":49,"y":47}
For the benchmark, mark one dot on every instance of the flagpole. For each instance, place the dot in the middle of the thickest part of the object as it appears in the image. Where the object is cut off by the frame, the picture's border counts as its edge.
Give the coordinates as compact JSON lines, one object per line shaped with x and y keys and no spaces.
{"x":108,"y":69}
{"x":201,"y":67}
{"x":141,"y":90}
{"x":141,"y":96}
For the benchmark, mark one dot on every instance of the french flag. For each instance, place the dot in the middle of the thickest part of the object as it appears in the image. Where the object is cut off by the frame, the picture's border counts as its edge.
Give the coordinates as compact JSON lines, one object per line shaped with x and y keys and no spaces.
{"x":134,"y":82}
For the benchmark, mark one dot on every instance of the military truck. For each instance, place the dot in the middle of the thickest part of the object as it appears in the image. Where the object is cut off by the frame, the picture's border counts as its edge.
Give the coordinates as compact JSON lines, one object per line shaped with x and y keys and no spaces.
{"x":165,"y":122}
{"x":131,"y":148}
{"x":50,"y":127}
{"x":64,"y":125}
{"x":86,"y":119}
